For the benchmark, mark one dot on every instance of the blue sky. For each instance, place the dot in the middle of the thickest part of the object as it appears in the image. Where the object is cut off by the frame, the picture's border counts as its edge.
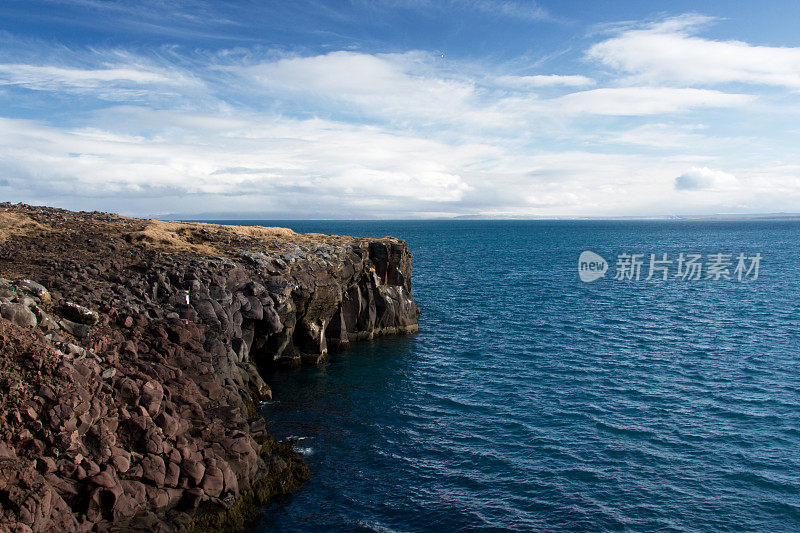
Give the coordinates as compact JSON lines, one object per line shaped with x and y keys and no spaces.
{"x":401,"y":108}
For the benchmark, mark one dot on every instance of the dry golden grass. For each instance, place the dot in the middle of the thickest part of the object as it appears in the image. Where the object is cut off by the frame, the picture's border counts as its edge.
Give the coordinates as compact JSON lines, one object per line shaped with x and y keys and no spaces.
{"x":167,"y":236}
{"x":168,"y":241}
{"x":194,"y":236}
{"x":14,"y":224}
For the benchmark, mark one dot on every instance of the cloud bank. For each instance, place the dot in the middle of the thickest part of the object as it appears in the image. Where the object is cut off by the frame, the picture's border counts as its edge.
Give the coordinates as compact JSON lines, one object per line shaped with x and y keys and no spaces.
{"x":345,"y":133}
{"x":671,"y":52}
{"x":704,"y":178}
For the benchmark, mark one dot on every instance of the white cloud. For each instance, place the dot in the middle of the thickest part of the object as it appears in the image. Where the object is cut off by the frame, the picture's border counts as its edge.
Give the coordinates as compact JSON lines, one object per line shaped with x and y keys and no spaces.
{"x":53,"y":78}
{"x":630,"y":101}
{"x":264,"y":156}
{"x":691,"y":138}
{"x":391,"y":86}
{"x":540,"y":80}
{"x":519,"y":9}
{"x":660,"y":135}
{"x":271,"y":165}
{"x":398,"y":135}
{"x":36,"y":76}
{"x":670,"y":51}
{"x":704,"y":178}
{"x":409,"y":86}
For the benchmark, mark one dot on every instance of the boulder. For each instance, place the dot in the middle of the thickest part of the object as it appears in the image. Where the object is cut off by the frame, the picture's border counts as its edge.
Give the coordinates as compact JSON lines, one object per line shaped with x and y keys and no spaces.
{"x":76,"y":329}
{"x":128,"y":390}
{"x":45,"y":321}
{"x":18,"y":314}
{"x":36,"y":290}
{"x":121,"y":460}
{"x":154,"y":469}
{"x":213,"y":481}
{"x":132,"y":499}
{"x":152,"y":394}
{"x":173,"y":473}
{"x":193,"y":468}
{"x":78,"y":313}
{"x":106,"y":478}
{"x":7,"y":289}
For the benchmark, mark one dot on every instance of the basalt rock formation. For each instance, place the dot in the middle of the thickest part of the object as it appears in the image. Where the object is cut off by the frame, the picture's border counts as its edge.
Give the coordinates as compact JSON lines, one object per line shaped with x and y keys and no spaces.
{"x":129,"y":361}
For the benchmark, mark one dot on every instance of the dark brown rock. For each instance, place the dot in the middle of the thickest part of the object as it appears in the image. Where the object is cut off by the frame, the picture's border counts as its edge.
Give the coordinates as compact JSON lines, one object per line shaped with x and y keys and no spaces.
{"x":151,"y":395}
{"x":131,"y":413}
{"x":213,"y":481}
{"x":19,"y":314}
{"x":79,"y":314}
{"x":153,"y":469}
{"x":79,"y":331}
{"x":106,"y":478}
{"x":121,"y":460}
{"x":193,"y":468}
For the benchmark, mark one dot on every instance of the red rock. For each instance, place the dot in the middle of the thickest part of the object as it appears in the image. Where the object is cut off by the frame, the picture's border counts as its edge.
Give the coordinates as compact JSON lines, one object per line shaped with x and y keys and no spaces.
{"x":46,"y":464}
{"x":158,"y":498}
{"x":106,"y":478}
{"x":152,"y":393}
{"x":231,"y":483}
{"x":193,"y":469}
{"x":130,"y":350}
{"x":6,"y":452}
{"x":173,"y":473}
{"x":153,"y":401}
{"x":153,"y":442}
{"x":132,"y":499}
{"x":121,"y":460}
{"x":213,"y":481}
{"x":128,"y":390}
{"x":90,"y":466}
{"x":241,"y":445}
{"x":168,"y":425}
{"x":80,"y":473}
{"x":153,"y":469}
{"x":135,"y":471}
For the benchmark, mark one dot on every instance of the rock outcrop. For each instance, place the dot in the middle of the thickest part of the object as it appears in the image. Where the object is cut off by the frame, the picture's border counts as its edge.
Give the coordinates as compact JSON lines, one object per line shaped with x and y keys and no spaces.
{"x":130,"y":354}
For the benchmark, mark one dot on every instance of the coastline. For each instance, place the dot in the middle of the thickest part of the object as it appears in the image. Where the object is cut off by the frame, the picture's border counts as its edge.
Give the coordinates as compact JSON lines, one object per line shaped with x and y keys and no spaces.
{"x":127,"y":408}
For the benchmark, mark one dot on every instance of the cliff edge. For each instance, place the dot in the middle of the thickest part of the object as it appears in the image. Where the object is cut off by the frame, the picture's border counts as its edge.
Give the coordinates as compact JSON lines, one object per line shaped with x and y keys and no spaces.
{"x":129,"y":361}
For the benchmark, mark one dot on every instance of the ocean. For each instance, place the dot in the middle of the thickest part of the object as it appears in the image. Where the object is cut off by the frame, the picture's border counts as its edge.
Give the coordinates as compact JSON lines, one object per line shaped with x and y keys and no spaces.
{"x":531,"y":400}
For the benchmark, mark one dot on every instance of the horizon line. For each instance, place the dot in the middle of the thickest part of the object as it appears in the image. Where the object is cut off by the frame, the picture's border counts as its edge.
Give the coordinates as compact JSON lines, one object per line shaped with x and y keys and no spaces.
{"x":677,"y":218}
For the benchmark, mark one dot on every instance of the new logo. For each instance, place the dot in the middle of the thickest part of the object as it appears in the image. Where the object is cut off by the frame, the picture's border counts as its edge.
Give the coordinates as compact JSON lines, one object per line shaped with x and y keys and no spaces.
{"x":591,"y":266}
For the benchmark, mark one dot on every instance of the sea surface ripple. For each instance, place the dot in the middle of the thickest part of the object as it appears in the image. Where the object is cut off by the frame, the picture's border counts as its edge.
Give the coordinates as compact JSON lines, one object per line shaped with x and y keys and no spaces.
{"x":532,"y":401}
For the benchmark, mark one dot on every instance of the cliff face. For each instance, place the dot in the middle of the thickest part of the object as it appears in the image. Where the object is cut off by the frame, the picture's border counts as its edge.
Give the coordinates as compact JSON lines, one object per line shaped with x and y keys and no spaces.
{"x":121,"y":405}
{"x":360,"y":291}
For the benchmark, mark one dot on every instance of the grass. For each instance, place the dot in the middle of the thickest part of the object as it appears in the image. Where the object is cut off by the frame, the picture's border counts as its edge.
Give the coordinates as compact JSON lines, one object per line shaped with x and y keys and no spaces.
{"x":18,"y":224}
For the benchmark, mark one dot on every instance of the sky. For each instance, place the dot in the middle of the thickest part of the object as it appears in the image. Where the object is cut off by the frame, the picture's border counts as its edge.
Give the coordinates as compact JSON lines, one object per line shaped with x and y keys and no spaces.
{"x":401,"y":108}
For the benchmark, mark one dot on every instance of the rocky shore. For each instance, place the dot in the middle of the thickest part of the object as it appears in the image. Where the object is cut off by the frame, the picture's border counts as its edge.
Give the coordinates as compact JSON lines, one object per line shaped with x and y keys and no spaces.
{"x":125,"y":408}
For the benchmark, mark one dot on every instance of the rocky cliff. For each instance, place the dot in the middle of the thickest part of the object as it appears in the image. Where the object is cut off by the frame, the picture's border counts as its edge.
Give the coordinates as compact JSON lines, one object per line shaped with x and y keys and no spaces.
{"x":130,"y":353}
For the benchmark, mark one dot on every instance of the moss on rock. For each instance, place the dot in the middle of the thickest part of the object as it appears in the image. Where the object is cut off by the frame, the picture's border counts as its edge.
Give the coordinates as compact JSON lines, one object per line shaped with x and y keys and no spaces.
{"x":249,"y":506}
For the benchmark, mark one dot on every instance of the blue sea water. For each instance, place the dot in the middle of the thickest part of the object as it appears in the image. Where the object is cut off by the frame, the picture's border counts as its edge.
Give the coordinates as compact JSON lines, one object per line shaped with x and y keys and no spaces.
{"x":530,"y":400}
